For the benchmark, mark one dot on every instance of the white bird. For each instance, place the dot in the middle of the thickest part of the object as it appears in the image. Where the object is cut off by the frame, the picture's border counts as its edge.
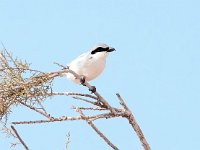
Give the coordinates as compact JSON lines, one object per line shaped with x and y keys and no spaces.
{"x":90,"y":64}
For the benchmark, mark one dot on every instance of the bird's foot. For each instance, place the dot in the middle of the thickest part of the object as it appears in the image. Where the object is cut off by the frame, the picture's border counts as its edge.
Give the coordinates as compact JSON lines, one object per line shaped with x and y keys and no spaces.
{"x":93,"y":89}
{"x":82,"y":80}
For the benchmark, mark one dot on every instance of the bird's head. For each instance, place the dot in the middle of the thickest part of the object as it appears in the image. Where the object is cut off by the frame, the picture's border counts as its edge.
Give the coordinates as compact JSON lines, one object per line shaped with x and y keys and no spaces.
{"x":101,"y":50}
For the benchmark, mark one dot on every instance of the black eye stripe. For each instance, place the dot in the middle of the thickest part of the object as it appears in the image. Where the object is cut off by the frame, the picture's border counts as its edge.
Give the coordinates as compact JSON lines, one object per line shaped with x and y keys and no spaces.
{"x":100,"y":49}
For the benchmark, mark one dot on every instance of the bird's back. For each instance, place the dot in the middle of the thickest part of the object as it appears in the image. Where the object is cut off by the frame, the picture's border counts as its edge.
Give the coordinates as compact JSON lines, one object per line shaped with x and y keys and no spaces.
{"x":86,"y":65}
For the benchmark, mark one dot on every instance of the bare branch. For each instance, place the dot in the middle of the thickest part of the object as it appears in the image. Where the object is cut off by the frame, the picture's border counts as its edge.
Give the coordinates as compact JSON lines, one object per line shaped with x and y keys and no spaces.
{"x":69,"y":118}
{"x":89,"y":108}
{"x":73,"y":94}
{"x":68,"y":141}
{"x":36,"y":110}
{"x":134,"y":123}
{"x":97,"y":130}
{"x":85,"y":100}
{"x":30,"y":92}
{"x":100,"y":98}
{"x":19,"y":138}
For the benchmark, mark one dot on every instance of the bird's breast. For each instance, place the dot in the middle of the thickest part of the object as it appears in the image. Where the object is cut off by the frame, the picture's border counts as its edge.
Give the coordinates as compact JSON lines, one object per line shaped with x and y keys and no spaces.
{"x":92,"y":69}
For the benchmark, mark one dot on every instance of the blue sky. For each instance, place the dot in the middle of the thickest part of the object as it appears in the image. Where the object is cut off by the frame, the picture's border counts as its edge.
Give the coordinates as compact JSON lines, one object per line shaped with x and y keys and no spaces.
{"x":155,"y":68}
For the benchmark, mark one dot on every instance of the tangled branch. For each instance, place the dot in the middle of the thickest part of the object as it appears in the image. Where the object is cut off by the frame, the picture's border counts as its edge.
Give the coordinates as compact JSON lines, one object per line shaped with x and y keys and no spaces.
{"x":15,"y":87}
{"x":20,"y":85}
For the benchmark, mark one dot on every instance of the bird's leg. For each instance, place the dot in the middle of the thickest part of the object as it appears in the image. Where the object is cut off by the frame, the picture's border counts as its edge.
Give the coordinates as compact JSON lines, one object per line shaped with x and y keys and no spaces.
{"x":82,"y":80}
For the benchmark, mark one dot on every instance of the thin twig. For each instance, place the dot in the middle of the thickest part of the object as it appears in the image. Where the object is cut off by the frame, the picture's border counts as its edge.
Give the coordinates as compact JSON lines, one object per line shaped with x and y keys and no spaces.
{"x":20,"y":139}
{"x":68,"y":141}
{"x":100,"y":98}
{"x":97,"y":130}
{"x":87,"y":101}
{"x":42,"y":107}
{"x":90,"y":108}
{"x":134,"y":123}
{"x":73,"y":94}
{"x":63,"y":67}
{"x":6,"y":130}
{"x":36,"y":110}
{"x":67,"y":118}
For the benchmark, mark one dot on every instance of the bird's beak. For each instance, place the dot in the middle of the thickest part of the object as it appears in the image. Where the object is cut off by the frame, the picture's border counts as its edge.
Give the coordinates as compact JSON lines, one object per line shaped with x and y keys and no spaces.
{"x":111,"y":49}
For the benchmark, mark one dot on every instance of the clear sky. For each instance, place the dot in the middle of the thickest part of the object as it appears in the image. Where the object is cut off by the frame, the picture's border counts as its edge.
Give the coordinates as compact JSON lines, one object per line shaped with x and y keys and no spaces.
{"x":156,"y":68}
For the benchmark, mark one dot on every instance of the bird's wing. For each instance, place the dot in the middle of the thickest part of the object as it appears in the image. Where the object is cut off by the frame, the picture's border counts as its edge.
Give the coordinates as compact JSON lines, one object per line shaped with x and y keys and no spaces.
{"x":79,"y":60}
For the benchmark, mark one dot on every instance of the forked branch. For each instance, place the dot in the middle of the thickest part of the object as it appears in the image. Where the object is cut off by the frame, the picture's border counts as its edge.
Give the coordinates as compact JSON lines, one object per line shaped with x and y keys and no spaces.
{"x":30,"y":92}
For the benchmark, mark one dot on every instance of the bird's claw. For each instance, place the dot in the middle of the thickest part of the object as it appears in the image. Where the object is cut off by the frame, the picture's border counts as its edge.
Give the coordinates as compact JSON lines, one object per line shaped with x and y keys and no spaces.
{"x":93,"y":89}
{"x":82,"y":81}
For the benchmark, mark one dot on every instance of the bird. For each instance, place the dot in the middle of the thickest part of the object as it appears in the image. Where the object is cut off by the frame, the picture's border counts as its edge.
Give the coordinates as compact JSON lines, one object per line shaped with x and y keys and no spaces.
{"x":89,"y":65}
